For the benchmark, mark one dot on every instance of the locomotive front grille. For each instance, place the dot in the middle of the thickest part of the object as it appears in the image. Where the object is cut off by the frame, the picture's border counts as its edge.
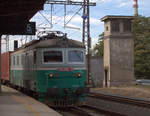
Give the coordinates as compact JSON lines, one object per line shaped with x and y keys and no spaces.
{"x":52,"y":92}
{"x":64,"y":103}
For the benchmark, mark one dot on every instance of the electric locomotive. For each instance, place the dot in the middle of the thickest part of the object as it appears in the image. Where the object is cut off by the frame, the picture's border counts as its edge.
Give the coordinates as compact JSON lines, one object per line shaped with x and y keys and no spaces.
{"x":53,"y":68}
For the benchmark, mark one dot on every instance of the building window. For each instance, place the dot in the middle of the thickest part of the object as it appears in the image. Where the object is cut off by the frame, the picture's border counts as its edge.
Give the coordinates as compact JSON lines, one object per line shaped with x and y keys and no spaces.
{"x":107,"y":28}
{"x":115,"y":26}
{"x":127,"y":26}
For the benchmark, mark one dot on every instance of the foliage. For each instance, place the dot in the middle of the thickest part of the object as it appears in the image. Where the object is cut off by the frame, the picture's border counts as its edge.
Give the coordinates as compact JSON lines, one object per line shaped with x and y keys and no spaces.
{"x":141,"y":29}
{"x":99,"y":47}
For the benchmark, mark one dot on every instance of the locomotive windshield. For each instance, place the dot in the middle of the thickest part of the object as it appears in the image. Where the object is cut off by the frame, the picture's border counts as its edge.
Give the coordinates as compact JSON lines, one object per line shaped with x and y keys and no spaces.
{"x":53,"y":56}
{"x":75,"y":56}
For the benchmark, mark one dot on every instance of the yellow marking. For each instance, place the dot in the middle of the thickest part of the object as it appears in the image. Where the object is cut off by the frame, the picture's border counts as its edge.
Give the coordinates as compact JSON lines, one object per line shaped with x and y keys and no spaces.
{"x":18,"y":99}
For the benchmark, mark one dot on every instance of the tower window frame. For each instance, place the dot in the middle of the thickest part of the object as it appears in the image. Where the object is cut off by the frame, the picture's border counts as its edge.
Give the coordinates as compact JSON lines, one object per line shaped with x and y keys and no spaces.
{"x":115,"y":26}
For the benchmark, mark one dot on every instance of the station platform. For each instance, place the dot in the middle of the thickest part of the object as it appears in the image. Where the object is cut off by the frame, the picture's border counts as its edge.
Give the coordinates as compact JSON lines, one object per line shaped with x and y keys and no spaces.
{"x":14,"y":103}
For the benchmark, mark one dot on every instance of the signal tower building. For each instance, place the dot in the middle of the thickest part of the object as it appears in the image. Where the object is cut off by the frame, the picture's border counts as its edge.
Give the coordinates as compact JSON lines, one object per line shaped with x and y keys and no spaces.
{"x":118,"y":51}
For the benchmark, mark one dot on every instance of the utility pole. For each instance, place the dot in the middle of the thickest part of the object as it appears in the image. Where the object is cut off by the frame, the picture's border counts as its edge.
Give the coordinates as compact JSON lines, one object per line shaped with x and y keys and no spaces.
{"x":84,"y":22}
{"x":89,"y":42}
{"x":0,"y":62}
{"x":86,"y":39}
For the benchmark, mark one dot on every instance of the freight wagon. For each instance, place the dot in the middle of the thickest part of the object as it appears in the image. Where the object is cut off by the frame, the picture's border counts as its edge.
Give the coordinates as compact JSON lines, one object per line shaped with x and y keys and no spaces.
{"x":5,"y":64}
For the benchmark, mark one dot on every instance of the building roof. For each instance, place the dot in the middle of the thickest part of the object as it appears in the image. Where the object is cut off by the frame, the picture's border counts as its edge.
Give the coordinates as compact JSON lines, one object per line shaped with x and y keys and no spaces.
{"x":19,"y":11}
{"x":52,"y":43}
{"x":116,"y":17}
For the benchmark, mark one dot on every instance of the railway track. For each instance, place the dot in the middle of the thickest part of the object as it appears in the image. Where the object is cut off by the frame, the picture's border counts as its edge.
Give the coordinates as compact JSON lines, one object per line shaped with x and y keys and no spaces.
{"x":120,"y":99}
{"x":81,"y":111}
{"x":86,"y":110}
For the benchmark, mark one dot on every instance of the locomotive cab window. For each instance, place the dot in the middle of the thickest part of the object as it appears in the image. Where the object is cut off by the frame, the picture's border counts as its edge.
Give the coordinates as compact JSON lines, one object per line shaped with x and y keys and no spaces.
{"x":75,"y":56}
{"x":53,"y":56}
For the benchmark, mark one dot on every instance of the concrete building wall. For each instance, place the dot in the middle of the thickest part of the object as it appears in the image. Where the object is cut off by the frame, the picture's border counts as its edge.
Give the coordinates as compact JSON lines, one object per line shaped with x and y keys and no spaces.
{"x":106,"y":58}
{"x":107,"y":53}
{"x":97,"y":71}
{"x":121,"y":61}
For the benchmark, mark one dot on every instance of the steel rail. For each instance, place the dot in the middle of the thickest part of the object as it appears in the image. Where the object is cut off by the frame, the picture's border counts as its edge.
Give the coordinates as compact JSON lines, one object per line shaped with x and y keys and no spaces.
{"x":73,"y":111}
{"x":121,"y":99}
{"x":81,"y":111}
{"x":86,"y":110}
{"x":102,"y":111}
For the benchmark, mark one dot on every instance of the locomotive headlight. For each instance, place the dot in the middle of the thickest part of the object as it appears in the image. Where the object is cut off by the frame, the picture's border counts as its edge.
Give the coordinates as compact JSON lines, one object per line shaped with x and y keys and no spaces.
{"x":51,"y":75}
{"x":79,"y":75}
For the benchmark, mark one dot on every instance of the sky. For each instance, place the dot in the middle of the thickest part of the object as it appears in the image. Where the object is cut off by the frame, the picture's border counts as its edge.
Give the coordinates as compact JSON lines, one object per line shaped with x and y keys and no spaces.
{"x":102,"y":8}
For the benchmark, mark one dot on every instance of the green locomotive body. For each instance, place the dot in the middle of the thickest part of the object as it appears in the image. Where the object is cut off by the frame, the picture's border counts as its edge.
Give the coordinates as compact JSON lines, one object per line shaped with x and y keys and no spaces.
{"x":53,"y":68}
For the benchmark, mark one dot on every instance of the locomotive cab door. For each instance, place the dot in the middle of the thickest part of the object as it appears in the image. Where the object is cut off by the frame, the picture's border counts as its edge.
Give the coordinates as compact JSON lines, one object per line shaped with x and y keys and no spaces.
{"x":34,"y":69}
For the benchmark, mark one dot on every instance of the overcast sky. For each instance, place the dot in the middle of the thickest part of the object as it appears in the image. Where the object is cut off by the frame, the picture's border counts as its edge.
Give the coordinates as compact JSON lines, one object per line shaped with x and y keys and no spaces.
{"x":103,"y":8}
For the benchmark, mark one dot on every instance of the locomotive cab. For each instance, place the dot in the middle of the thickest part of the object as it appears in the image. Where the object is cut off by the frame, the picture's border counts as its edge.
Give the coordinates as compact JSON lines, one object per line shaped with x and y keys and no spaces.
{"x":63,"y":73}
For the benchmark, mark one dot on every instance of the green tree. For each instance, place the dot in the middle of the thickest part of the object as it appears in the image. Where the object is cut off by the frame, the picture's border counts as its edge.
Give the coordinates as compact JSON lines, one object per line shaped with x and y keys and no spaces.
{"x":141,"y":29}
{"x":99,"y":47}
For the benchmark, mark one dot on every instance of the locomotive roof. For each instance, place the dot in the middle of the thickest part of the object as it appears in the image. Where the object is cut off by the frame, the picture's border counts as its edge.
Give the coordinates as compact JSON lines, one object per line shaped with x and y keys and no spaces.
{"x":55,"y":42}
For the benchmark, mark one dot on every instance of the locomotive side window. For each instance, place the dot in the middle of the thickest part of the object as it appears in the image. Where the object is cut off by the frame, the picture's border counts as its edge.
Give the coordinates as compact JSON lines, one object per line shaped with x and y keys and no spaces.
{"x":53,"y":56}
{"x":17,"y":60}
{"x":75,"y":56}
{"x":14,"y":60}
{"x":22,"y":59}
{"x":34,"y":57}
